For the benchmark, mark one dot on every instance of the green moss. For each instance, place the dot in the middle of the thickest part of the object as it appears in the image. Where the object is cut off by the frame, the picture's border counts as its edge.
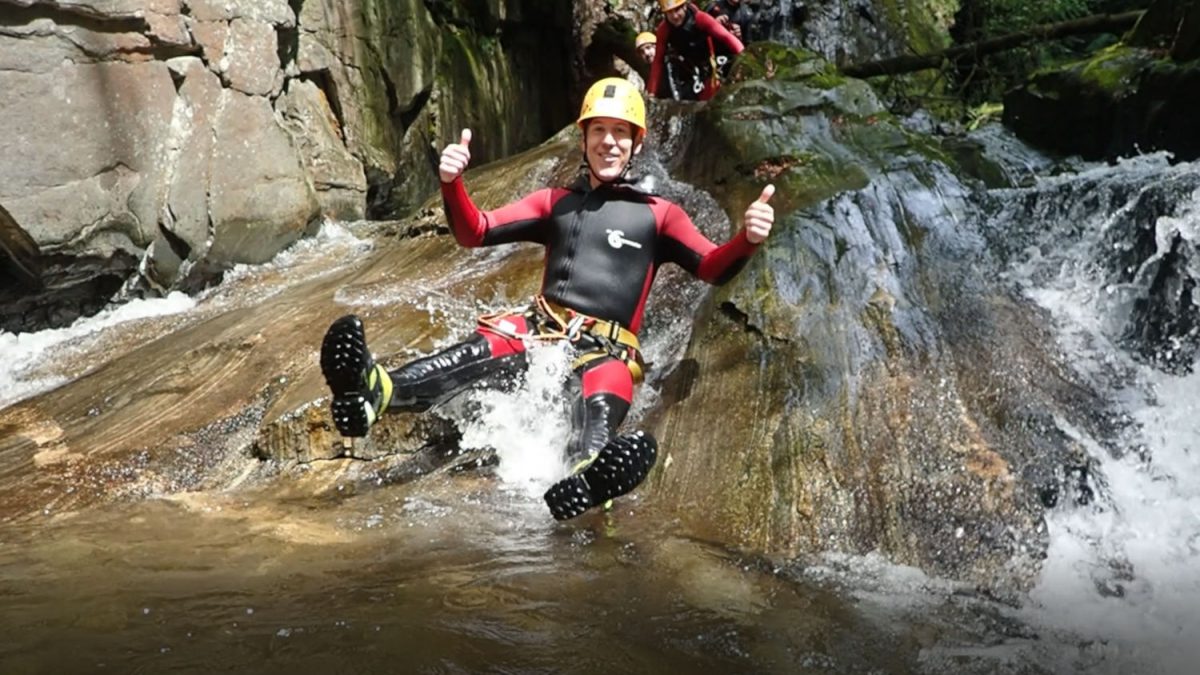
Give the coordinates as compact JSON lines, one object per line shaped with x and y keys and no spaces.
{"x":1114,"y":69}
{"x":828,"y":78}
{"x":871,"y":136}
{"x":773,"y":61}
{"x":930,"y":148}
{"x":919,"y":29}
{"x":805,"y":185}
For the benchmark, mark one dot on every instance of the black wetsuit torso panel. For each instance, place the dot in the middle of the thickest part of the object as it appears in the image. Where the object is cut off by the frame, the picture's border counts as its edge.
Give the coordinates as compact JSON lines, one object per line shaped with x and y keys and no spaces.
{"x":603,"y":245}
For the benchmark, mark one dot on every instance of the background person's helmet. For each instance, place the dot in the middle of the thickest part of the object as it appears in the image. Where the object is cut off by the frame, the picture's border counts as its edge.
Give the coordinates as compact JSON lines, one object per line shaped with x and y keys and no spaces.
{"x":668,"y":5}
{"x":644,"y":39}
{"x":614,"y":97}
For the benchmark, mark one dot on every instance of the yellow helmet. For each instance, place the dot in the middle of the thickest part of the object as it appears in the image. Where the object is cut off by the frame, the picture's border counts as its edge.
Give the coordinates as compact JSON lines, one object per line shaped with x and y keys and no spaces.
{"x":668,"y":5}
{"x":614,"y":97}
{"x":644,"y":39}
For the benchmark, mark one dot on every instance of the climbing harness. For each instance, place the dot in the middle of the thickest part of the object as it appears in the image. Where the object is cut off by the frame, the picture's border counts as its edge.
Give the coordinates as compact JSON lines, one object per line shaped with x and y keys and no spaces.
{"x":596,"y":338}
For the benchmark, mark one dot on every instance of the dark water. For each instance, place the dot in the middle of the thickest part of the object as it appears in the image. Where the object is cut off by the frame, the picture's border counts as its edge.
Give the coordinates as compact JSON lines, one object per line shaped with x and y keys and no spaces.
{"x":449,"y":575}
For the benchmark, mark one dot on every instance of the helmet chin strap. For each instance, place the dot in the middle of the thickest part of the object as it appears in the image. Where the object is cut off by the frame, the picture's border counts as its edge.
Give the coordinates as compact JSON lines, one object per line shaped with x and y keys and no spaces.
{"x":587,"y":161}
{"x":624,"y":170}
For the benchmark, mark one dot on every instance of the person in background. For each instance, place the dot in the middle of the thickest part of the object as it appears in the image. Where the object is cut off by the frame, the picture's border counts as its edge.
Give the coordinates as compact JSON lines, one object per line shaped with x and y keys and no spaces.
{"x":737,"y":16}
{"x":645,"y":44}
{"x":690,"y":41}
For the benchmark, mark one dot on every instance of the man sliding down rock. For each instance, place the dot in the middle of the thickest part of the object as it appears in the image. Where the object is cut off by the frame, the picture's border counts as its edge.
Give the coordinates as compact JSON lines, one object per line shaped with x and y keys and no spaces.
{"x":605,"y":239}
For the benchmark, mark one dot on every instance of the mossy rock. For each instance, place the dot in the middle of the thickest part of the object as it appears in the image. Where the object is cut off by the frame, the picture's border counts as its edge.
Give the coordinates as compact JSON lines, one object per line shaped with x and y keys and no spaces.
{"x":1121,"y":101}
{"x":836,"y":133}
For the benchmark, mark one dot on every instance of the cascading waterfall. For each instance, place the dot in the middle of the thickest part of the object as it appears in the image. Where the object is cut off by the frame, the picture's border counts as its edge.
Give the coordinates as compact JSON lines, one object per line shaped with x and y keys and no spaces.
{"x":1123,"y":571}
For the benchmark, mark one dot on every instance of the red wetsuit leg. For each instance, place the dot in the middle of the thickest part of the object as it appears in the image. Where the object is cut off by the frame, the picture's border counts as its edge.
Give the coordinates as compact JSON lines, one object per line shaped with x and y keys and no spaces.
{"x":607,"y":391}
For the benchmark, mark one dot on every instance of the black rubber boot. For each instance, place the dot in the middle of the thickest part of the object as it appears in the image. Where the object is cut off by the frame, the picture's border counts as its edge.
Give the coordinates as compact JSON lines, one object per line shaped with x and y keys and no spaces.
{"x":360,"y":388}
{"x":618,"y":468}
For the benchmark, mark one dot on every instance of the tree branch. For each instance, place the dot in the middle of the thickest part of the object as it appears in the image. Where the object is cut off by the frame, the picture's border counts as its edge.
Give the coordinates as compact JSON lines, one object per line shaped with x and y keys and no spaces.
{"x":1099,"y":23}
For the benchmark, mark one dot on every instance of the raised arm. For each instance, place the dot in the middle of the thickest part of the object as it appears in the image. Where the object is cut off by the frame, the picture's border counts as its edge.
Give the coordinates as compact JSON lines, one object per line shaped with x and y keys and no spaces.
{"x":660,"y":53}
{"x":687,"y":247}
{"x":521,"y":220}
{"x":719,"y":33}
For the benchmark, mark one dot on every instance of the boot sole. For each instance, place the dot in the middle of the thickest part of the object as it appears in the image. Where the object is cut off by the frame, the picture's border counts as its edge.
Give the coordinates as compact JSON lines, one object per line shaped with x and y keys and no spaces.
{"x":350,"y":416}
{"x":618,"y":468}
{"x":344,"y":355}
{"x":344,"y":359}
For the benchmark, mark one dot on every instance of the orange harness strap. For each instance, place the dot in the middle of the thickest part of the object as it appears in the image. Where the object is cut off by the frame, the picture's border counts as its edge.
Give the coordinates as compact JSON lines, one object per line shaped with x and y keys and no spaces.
{"x":562,"y":323}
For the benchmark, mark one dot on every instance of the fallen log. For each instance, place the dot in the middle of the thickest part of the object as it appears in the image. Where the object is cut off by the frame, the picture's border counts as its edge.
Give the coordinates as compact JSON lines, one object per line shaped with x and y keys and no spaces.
{"x":1098,"y":23}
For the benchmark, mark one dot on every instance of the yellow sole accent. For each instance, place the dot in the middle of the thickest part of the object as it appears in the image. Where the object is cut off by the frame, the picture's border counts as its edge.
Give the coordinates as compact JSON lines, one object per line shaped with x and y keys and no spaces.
{"x":583,"y":464}
{"x":386,"y":398}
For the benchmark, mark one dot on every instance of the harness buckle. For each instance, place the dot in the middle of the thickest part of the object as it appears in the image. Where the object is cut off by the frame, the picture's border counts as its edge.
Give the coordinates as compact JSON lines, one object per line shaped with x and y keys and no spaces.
{"x":574,"y":326}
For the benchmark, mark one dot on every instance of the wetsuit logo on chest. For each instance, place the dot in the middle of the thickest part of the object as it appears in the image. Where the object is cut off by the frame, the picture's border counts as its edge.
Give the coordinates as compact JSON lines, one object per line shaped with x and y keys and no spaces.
{"x":616,"y":239}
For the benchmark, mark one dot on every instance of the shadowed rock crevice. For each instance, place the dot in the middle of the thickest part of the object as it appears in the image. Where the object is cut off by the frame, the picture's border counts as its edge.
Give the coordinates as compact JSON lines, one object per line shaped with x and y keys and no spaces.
{"x":611,"y":38}
{"x":179,"y":246}
{"x":19,"y":254}
{"x":71,"y":287}
{"x":408,"y":116}
{"x":328,"y":86}
{"x":96,"y":36}
{"x":288,"y":38}
{"x":742,"y":319}
{"x":77,"y":16}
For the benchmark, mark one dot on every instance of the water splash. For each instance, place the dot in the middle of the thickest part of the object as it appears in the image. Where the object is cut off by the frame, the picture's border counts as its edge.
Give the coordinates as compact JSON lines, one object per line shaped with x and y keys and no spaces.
{"x":527,"y":426}
{"x":1121,"y":575}
{"x":23,"y":355}
{"x":331,"y":235}
{"x":22,"y":352}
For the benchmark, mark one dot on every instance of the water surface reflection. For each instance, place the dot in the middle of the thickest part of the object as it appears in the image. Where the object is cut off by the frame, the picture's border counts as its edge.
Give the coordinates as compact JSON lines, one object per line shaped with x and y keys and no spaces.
{"x":447,"y":575}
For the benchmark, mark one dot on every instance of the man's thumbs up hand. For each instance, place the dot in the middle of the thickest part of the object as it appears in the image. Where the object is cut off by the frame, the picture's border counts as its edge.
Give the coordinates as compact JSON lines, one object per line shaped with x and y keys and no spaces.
{"x":455,"y":158}
{"x":760,"y":216}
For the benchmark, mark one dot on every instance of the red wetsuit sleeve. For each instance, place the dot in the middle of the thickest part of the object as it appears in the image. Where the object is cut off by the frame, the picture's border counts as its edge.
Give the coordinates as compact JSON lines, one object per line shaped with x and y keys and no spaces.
{"x":685,"y":246}
{"x":708,"y":24}
{"x":522,"y":220}
{"x":660,"y":52}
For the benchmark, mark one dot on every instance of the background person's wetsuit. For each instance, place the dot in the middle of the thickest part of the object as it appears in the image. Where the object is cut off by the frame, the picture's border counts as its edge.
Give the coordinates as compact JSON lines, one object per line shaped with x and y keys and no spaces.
{"x":695,"y":42}
{"x":603,"y":249}
{"x":740,"y":13}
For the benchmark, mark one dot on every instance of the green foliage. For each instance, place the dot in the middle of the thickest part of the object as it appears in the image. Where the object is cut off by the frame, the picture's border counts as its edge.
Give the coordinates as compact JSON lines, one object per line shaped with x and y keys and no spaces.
{"x":986,"y":80}
{"x":983,"y":113}
{"x":1010,"y":16}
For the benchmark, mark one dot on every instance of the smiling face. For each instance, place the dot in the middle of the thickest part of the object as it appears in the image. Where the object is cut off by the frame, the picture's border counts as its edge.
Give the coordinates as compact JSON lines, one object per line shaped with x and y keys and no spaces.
{"x":608,"y":145}
{"x":675,"y":16}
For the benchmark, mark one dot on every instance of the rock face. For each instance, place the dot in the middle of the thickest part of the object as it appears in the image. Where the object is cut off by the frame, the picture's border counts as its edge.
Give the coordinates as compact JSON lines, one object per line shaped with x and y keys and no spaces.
{"x":1127,"y":99}
{"x":861,"y":385}
{"x":125,"y":141}
{"x":172,"y":139}
{"x":871,"y":29}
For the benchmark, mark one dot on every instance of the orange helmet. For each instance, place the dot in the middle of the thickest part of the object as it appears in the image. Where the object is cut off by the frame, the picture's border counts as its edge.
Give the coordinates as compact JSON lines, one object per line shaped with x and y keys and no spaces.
{"x":614,"y":97}
{"x":644,"y":39}
{"x":668,"y":5}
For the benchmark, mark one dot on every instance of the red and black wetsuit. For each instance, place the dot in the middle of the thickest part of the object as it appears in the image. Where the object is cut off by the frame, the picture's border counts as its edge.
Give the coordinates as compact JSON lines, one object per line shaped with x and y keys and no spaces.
{"x":695,"y":42}
{"x":739,"y":13}
{"x":603,"y":249}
